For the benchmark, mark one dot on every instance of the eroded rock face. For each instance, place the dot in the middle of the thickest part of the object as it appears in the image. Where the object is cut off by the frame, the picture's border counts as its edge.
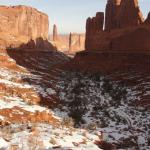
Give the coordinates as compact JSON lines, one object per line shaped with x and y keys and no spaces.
{"x":94,"y":25}
{"x":111,"y":11}
{"x":129,"y":14}
{"x":136,"y":40}
{"x":25,"y":21}
{"x":21,"y":24}
{"x":122,"y":13}
{"x":76,"y":42}
{"x":124,"y":28}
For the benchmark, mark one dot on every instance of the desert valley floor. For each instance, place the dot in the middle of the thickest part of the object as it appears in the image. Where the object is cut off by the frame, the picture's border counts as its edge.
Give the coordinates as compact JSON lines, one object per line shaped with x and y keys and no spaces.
{"x":28,"y":122}
{"x":75,"y":91}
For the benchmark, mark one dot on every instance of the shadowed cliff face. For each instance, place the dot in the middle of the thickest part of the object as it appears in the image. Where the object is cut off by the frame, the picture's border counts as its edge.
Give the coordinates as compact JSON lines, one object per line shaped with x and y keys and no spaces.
{"x":43,"y":69}
{"x":125,"y":28}
{"x":122,"y":13}
{"x":34,"y":45}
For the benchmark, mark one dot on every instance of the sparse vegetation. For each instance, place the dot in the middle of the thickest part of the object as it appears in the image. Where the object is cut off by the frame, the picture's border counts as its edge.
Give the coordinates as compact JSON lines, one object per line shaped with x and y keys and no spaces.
{"x":53,"y":141}
{"x":68,"y":122}
{"x":81,"y":90}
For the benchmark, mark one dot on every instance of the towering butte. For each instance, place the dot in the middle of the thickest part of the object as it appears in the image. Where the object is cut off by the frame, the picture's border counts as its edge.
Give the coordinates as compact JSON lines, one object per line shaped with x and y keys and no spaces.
{"x":94,"y":25}
{"x":111,"y":11}
{"x":122,"y":13}
{"x":21,"y":25}
{"x":125,"y":28}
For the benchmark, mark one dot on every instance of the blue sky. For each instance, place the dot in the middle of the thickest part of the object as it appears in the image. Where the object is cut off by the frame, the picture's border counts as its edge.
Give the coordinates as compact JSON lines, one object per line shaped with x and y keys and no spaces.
{"x":70,"y":15}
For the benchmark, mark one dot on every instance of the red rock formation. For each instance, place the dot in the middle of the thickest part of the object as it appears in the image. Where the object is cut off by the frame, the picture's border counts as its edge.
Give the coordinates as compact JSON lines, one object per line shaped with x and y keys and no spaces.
{"x":25,"y":21}
{"x":55,"y":34}
{"x":137,"y":40}
{"x":21,"y":24}
{"x":94,"y":25}
{"x":122,"y":13}
{"x":110,"y":14}
{"x":76,"y":42}
{"x":124,"y":29}
{"x":129,"y":14}
{"x":147,"y":21}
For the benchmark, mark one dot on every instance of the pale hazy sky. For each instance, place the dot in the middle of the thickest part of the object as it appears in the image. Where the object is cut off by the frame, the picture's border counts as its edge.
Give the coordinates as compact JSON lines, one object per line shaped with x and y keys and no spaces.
{"x":70,"y":15}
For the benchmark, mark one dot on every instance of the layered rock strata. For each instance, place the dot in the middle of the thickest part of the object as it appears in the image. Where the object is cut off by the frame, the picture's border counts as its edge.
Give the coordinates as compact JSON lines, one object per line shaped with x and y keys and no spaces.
{"x":22,"y":24}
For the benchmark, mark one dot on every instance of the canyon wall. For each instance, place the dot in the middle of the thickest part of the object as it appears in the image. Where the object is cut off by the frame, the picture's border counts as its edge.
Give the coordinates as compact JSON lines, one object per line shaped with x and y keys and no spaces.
{"x":22,"y":24}
{"x":76,"y":42}
{"x":124,"y":29}
{"x":111,"y":11}
{"x":122,"y":13}
{"x":69,"y":44}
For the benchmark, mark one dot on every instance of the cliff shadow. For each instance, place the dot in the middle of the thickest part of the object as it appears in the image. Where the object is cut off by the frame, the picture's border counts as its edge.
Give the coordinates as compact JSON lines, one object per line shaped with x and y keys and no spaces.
{"x":41,"y":60}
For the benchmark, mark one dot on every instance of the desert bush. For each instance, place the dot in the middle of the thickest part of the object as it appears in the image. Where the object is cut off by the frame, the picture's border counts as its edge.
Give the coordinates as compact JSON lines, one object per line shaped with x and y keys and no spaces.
{"x":82,"y":91}
{"x":68,"y":122}
{"x":52,"y":141}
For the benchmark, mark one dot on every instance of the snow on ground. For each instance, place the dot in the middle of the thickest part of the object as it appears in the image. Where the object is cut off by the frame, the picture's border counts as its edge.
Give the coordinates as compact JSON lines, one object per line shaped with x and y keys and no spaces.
{"x":3,"y":144}
{"x":44,"y":136}
{"x":119,"y":121}
{"x":37,"y":136}
{"x":10,"y":102}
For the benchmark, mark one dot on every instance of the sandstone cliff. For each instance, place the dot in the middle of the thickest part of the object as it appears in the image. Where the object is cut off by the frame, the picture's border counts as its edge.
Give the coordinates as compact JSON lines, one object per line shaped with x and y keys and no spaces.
{"x":129,"y":14}
{"x":125,"y":28}
{"x":122,"y":13}
{"x":21,"y":24}
{"x":76,"y":42}
{"x":94,"y":25}
{"x":69,"y":44}
{"x":111,"y":11}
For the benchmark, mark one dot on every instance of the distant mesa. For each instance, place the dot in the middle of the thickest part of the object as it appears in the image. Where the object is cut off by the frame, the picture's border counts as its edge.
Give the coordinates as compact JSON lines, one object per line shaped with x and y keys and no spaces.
{"x":76,"y":42}
{"x":125,"y":28}
{"x":22,"y":24}
{"x":68,"y":43}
